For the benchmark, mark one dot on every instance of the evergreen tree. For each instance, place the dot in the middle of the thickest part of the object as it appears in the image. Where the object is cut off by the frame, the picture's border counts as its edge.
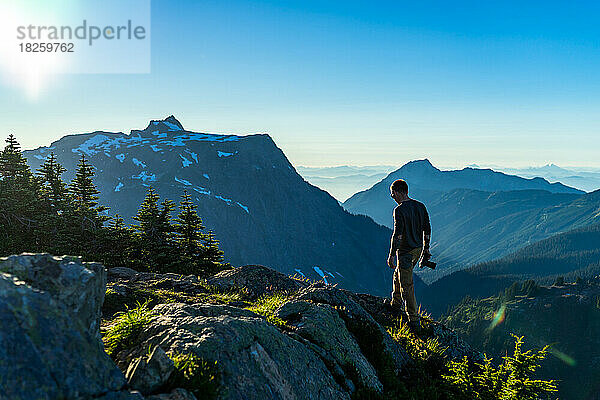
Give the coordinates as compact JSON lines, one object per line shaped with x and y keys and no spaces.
{"x":156,"y":233}
{"x":119,"y":245}
{"x":13,"y":165}
{"x":85,"y":219}
{"x":55,"y":201}
{"x":85,"y":194}
{"x":188,"y":226}
{"x":54,"y":189}
{"x":199,"y":251}
{"x":213,"y":256}
{"x":19,"y":201}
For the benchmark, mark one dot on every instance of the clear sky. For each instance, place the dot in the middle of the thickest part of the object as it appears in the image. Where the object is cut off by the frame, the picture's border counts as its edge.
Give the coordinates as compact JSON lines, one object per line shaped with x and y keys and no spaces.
{"x":508,"y":83}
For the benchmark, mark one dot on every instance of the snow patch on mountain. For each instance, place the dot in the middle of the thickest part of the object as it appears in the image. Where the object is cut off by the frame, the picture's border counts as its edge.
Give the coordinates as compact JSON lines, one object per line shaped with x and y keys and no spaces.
{"x":202,"y":190}
{"x":144,"y":176}
{"x":172,"y":126}
{"x":224,"y":153}
{"x":228,"y":201}
{"x":119,"y":186}
{"x":120,"y":157}
{"x":185,"y":162}
{"x":243,"y":206}
{"x":321,"y":273}
{"x":206,"y":176}
{"x":300,"y":272}
{"x":194,"y":155}
{"x":186,"y":183}
{"x":138,"y":163}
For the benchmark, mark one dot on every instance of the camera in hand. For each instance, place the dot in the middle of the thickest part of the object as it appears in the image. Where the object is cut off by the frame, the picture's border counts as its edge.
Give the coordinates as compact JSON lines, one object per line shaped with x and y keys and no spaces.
{"x":426,"y":262}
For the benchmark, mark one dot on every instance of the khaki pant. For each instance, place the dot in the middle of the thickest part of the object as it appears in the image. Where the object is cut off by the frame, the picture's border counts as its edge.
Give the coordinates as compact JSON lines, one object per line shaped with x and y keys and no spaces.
{"x":403,"y":295}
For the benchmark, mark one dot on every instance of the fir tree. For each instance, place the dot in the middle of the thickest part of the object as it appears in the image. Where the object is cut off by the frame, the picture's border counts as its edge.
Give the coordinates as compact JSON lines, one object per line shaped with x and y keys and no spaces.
{"x":156,"y":233}
{"x":52,"y":218}
{"x":119,"y":245}
{"x":19,"y":201}
{"x":54,"y":189}
{"x":199,"y":251}
{"x":84,"y":216}
{"x":213,"y":256}
{"x":84,"y":192}
{"x":13,"y":166}
{"x":188,"y":226}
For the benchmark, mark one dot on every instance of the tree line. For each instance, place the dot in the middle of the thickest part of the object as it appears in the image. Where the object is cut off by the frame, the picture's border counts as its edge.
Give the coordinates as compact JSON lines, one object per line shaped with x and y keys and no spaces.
{"x":39,"y":212}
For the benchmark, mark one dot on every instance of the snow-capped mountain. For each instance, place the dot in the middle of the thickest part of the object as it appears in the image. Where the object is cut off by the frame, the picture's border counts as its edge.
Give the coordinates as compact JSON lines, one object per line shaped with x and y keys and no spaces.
{"x":246,"y":190}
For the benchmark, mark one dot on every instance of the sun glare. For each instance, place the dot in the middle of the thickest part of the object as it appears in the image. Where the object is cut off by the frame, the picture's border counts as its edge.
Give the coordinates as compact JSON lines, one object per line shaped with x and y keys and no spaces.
{"x":28,"y":72}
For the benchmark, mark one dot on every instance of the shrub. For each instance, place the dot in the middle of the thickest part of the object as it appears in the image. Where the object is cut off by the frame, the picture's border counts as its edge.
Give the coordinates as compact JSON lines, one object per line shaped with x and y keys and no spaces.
{"x":512,"y":380}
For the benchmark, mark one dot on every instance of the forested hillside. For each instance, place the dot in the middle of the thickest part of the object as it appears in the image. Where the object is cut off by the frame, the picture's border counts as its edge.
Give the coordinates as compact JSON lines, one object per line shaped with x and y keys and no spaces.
{"x":564,"y":315}
{"x":571,"y":254}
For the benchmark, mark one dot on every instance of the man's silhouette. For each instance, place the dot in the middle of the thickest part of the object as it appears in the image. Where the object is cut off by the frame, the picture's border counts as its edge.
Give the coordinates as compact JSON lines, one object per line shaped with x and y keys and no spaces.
{"x":410,"y":240}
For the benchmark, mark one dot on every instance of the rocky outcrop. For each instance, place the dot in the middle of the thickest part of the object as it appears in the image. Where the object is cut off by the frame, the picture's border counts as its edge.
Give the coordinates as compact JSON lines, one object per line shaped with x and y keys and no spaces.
{"x":49,"y":338}
{"x":248,"y":333}
{"x":317,"y":342}
{"x":256,"y":360}
{"x":322,"y":326}
{"x":257,"y":280}
{"x":78,"y":288}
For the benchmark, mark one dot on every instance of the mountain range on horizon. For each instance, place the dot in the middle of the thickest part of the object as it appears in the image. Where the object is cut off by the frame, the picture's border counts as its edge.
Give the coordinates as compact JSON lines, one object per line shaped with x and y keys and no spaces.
{"x":478,"y":214}
{"x":343,"y":181}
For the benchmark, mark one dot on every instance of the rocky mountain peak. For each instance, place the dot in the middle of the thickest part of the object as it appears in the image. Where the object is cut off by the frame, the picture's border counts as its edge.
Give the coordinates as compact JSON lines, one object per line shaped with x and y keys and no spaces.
{"x":424,"y":165}
{"x":169,"y":124}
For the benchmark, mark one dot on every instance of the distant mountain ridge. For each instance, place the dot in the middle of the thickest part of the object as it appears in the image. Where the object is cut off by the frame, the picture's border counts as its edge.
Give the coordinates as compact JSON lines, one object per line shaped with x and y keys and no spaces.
{"x":426,"y":181}
{"x":246,"y":190}
{"x":476,"y":214}
{"x":345,"y":180}
{"x":587,"y":179}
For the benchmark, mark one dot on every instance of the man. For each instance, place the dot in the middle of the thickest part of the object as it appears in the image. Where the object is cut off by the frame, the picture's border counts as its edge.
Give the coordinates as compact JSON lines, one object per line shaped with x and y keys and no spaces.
{"x":410,"y":240}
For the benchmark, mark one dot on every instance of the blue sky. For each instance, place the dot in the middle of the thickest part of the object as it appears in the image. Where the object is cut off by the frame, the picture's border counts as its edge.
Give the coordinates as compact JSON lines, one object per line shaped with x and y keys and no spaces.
{"x":508,"y":83}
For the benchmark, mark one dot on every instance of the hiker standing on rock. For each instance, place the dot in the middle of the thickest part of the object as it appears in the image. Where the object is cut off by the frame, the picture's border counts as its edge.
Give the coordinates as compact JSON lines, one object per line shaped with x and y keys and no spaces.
{"x":410,"y":240}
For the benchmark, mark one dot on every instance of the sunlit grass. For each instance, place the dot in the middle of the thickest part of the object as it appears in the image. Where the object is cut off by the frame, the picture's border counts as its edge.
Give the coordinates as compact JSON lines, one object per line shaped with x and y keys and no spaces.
{"x":125,"y":328}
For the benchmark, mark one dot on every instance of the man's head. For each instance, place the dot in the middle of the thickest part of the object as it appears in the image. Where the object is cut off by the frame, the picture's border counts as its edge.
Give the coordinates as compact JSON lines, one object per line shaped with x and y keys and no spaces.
{"x":399,"y":190}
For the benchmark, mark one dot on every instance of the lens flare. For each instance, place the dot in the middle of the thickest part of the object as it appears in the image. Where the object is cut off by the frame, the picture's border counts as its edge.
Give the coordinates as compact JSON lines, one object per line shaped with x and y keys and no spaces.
{"x":498,"y":318}
{"x":570,"y":361}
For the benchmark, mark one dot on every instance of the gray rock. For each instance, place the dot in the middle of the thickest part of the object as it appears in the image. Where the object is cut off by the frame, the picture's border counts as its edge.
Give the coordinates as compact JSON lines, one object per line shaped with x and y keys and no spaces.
{"x":45,"y":352}
{"x":147,"y":374}
{"x":255,"y":359}
{"x":78,"y":287}
{"x":256,"y":279}
{"x":321,"y":325}
{"x":371,"y":337}
{"x":177,"y":394}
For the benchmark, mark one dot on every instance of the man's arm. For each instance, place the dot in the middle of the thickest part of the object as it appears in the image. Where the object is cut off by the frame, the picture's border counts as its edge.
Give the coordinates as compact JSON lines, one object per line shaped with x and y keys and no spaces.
{"x":395,"y":241}
{"x":426,"y":233}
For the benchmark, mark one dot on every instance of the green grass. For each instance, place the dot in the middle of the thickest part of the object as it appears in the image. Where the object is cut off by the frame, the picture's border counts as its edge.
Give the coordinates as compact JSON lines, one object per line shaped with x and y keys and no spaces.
{"x":194,"y":374}
{"x":124,"y":330}
{"x":267,"y":305}
{"x":114,"y":303}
